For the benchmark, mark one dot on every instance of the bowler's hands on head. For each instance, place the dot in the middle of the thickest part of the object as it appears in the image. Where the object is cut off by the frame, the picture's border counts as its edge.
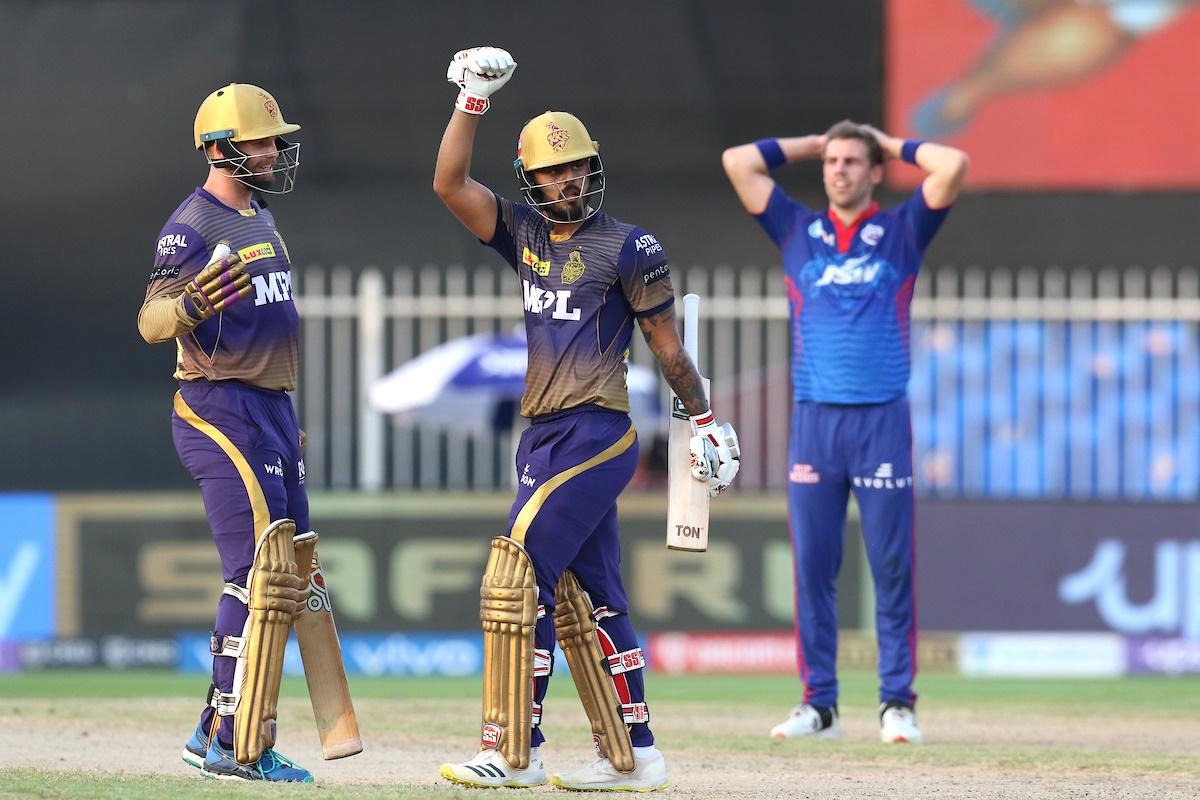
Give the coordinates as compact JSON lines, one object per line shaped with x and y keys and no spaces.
{"x":479,"y":72}
{"x":715,"y":455}
{"x":219,"y":285}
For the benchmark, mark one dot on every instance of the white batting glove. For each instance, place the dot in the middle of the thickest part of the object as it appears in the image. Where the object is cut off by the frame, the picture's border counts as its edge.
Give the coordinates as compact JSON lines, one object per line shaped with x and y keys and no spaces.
{"x":479,"y":72}
{"x":715,"y":455}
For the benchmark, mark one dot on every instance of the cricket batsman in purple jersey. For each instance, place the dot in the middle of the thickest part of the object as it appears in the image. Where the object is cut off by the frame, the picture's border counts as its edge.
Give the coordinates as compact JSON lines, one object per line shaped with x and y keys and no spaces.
{"x":586,"y":280}
{"x":221,"y":290}
{"x":850,"y":273}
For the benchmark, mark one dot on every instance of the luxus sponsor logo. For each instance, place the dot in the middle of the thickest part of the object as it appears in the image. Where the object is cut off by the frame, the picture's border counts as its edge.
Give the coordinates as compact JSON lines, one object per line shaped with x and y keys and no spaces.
{"x":872,"y":233}
{"x":648,"y":244}
{"x":538,"y":266}
{"x":256,"y":251}
{"x":817,"y":231}
{"x":527,"y":479}
{"x":884,"y":478}
{"x":274,"y":287}
{"x":538,"y":300}
{"x":854,"y":270}
{"x":172,"y":243}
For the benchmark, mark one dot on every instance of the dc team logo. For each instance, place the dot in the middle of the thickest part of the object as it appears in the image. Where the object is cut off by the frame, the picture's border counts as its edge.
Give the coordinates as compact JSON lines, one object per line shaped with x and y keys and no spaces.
{"x":871,"y":234}
{"x":490,"y":738}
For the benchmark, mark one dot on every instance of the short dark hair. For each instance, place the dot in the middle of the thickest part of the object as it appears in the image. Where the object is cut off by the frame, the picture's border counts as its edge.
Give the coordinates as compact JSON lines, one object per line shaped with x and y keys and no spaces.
{"x":848,"y":129}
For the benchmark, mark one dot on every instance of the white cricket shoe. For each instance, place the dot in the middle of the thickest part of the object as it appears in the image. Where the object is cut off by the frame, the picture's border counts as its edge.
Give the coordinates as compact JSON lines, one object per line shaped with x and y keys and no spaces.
{"x":649,"y":775}
{"x":898,"y":724}
{"x":489,"y":770}
{"x":806,"y":721}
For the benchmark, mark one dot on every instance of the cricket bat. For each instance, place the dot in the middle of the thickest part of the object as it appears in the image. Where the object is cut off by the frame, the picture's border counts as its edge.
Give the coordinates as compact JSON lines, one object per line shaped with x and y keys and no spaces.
{"x":324,"y":670}
{"x":687,"y":498}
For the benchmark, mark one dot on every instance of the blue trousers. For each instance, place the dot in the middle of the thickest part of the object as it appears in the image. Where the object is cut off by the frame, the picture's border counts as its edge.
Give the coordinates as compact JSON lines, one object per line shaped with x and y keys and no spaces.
{"x":572,"y":466}
{"x":867,"y":449}
{"x":241,"y":445}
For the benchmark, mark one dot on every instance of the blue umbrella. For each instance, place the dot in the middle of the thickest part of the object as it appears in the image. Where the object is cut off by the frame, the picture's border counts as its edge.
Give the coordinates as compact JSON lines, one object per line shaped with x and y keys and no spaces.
{"x":475,"y":384}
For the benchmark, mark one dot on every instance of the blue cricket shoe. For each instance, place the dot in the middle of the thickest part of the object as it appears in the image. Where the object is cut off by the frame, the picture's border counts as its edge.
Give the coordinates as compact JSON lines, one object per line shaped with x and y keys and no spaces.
{"x":271,"y":766}
{"x":196,"y":748}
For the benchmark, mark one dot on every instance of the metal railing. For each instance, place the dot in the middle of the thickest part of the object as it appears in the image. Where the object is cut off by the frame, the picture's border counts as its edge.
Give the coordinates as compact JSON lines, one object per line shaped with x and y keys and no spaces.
{"x":1049,"y":384}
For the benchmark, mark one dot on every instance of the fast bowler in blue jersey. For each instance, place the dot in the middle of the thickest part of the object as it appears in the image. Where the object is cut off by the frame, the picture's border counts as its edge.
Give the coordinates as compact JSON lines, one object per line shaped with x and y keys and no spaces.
{"x":850,"y":271}
{"x":587,"y":281}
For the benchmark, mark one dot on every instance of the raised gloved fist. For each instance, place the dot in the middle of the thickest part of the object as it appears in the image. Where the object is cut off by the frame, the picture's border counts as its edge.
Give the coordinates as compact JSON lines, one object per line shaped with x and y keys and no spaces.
{"x":479,"y":72}
{"x":714,"y":453}
{"x":218,"y":286}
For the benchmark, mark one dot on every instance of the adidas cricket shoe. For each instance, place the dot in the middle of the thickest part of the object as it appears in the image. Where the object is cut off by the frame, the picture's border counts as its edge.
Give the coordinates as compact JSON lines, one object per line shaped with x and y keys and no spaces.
{"x":649,"y":775}
{"x":196,"y":748}
{"x":271,"y":766}
{"x":898,"y":724}
{"x":489,"y":770}
{"x":809,"y":722}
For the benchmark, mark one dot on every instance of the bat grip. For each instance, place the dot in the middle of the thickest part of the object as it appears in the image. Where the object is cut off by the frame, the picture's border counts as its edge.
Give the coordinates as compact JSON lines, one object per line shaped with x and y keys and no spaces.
{"x":219,"y":252}
{"x":691,"y":327}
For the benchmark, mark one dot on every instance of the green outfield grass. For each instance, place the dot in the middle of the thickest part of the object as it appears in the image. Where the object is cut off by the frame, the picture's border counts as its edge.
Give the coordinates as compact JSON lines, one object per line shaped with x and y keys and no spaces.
{"x":702,"y":716}
{"x":1171,"y":696}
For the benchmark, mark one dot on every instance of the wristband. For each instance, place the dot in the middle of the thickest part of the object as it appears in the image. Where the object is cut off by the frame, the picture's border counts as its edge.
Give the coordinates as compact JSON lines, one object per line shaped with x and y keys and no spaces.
{"x":909,"y":151}
{"x":702,"y":421}
{"x":472,"y":104}
{"x":771,"y":152}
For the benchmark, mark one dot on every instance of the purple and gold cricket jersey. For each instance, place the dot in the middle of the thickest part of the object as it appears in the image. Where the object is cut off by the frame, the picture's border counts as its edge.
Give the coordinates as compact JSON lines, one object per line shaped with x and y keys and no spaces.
{"x":581,"y":297}
{"x":256,"y":340}
{"x":849,"y":291}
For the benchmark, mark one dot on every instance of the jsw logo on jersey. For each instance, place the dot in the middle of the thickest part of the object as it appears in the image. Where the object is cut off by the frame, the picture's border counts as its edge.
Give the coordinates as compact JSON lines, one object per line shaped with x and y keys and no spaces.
{"x":851,"y":272}
{"x":274,"y":287}
{"x":538,"y":300}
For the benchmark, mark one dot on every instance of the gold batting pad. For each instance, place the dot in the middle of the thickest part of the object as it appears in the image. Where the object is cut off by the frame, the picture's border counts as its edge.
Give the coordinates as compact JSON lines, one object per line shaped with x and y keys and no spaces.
{"x":577,"y":636}
{"x":508,"y":610}
{"x":274,"y":585}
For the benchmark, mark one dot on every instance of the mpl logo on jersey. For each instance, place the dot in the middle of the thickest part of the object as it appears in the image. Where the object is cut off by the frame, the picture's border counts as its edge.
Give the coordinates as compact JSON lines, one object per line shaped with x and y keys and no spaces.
{"x":273,"y":287}
{"x":538,"y":300}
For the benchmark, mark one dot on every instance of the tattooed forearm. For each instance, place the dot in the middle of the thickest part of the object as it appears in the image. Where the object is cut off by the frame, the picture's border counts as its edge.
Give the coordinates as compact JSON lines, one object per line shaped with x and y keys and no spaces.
{"x":677,"y":367}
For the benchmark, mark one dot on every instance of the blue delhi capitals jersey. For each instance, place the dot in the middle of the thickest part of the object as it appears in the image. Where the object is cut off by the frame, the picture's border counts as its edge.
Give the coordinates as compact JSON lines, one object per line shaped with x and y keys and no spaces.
{"x":849,"y":292}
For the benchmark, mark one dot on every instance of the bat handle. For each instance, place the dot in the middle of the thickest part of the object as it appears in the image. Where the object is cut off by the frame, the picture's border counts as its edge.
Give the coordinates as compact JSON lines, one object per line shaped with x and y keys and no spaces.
{"x":219,"y":252}
{"x":691,"y":327}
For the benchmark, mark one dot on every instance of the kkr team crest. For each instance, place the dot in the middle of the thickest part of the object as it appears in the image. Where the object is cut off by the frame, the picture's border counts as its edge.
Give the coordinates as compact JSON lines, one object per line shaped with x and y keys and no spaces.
{"x":573,"y":269}
{"x":557,"y":137}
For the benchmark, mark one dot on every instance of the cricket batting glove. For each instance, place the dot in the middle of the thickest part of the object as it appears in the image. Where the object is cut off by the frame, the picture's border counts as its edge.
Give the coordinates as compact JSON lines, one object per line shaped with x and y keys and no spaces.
{"x":479,"y":72}
{"x":218,"y":286}
{"x":714,"y":452}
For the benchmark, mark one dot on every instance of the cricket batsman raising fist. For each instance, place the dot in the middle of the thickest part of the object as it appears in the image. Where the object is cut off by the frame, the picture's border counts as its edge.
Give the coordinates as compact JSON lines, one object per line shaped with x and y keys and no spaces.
{"x":234,"y":426}
{"x":586,"y":279}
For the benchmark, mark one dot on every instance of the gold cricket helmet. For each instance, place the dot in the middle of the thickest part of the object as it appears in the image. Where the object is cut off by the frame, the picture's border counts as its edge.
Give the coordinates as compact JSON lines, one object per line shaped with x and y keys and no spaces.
{"x":243,"y":112}
{"x":240,"y":112}
{"x":547,"y":140}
